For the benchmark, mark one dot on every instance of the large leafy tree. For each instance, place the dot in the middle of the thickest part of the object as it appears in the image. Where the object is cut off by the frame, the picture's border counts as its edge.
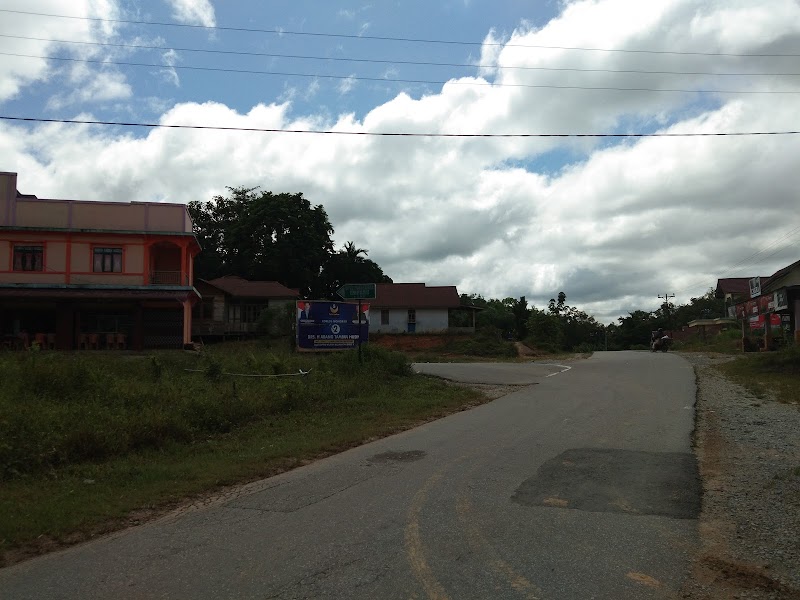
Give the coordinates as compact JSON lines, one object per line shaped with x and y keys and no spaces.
{"x":348,"y":265}
{"x":633,"y":330}
{"x":263,"y":236}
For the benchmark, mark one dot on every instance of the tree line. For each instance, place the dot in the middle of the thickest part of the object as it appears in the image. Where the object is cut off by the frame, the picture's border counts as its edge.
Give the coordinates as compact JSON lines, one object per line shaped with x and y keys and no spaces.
{"x":559,"y":327}
{"x":263,"y":236}
{"x":259,"y":235}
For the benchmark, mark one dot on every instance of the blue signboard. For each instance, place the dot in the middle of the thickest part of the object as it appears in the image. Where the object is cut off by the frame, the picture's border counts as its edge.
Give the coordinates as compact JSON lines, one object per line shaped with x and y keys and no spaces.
{"x":330,"y":325}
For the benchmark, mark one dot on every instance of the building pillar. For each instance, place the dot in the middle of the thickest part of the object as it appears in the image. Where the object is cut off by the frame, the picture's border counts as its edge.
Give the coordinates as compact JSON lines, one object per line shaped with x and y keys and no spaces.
{"x":184,"y":266}
{"x":65,"y":327}
{"x":147,"y":266}
{"x":137,"y":335}
{"x":187,"y":322}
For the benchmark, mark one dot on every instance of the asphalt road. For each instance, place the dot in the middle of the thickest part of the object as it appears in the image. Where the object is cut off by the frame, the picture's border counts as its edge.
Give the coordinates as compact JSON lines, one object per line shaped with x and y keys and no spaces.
{"x":581,"y":485}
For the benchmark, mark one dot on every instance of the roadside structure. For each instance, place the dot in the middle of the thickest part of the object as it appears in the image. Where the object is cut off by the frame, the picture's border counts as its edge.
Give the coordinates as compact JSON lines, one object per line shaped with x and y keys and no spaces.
{"x":768,"y":310}
{"x":232,"y":306}
{"x":94,"y":275}
{"x":734,"y":290}
{"x":416,"y":308}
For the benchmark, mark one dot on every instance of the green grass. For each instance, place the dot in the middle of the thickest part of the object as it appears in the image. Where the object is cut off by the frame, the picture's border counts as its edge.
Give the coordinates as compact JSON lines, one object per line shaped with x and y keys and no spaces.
{"x":765,"y":373}
{"x":86,"y":439}
{"x":726,"y":342}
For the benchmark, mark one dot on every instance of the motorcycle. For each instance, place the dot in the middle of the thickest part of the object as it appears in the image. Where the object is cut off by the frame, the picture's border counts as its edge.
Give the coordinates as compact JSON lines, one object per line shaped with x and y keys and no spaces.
{"x":660,"y":343}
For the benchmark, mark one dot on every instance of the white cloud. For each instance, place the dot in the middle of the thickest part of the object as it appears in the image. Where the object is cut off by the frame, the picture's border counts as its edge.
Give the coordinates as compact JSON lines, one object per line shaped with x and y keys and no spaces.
{"x":19,"y":72}
{"x":194,"y":12}
{"x":171,"y":57}
{"x":103,"y":86}
{"x":346,"y":85}
{"x":625,"y":221}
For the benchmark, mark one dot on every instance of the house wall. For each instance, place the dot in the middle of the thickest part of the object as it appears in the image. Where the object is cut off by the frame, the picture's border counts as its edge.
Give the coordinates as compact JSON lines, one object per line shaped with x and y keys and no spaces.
{"x":8,"y":192}
{"x":73,"y":214}
{"x":428,"y":320}
{"x":68,"y":258}
{"x":797,"y":320}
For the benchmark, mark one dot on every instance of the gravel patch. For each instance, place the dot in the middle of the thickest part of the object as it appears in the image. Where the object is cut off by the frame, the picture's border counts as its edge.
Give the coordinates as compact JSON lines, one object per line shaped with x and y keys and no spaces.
{"x":748,"y":450}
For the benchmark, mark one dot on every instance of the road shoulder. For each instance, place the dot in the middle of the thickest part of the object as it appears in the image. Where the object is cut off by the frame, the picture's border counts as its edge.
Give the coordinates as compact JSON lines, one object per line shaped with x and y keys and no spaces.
{"x":748,"y":450}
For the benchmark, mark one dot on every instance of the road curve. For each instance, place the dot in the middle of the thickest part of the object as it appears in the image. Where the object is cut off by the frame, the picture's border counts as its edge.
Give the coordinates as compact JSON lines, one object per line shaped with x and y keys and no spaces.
{"x":581,"y":486}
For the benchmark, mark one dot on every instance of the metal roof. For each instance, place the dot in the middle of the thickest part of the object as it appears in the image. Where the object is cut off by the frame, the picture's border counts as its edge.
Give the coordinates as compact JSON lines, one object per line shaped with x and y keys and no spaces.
{"x":243,"y":288}
{"x":415,"y":295}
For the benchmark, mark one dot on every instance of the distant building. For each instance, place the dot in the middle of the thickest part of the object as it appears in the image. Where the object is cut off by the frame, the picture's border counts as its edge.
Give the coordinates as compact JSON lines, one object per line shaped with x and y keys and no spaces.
{"x":767,"y":307}
{"x":94,"y":275}
{"x":414,"y":308}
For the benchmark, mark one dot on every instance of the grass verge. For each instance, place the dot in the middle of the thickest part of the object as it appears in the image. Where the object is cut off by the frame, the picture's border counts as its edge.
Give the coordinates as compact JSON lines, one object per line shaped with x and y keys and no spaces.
{"x":768,"y":373}
{"x":92,"y":443}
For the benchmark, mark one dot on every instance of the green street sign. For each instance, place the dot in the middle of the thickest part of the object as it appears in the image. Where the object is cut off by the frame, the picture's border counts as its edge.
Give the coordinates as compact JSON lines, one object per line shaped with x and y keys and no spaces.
{"x":357,"y":291}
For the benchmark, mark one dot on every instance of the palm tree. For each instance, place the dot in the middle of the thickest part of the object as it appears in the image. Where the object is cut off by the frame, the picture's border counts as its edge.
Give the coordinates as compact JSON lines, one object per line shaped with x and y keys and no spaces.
{"x":351,"y":253}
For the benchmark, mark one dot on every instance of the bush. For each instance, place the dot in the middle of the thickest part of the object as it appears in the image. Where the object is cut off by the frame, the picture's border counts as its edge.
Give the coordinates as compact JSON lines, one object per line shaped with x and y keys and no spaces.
{"x":62,"y":409}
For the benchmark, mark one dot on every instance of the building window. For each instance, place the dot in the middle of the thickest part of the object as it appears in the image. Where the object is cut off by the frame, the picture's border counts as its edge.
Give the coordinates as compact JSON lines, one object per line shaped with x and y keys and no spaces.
{"x":244,"y":313}
{"x":412,"y":315}
{"x":28,"y":258}
{"x":203,"y":310}
{"x":108,"y":260}
{"x":385,"y":316}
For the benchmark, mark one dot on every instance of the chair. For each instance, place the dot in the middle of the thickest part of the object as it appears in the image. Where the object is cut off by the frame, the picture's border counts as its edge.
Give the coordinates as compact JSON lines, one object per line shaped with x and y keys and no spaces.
{"x":94,"y":341}
{"x":51,"y":341}
{"x":122,"y":341}
{"x":111,"y":341}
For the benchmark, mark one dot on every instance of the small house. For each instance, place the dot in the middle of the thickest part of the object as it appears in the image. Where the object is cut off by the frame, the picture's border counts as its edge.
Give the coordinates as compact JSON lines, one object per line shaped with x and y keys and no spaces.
{"x":233,"y":306}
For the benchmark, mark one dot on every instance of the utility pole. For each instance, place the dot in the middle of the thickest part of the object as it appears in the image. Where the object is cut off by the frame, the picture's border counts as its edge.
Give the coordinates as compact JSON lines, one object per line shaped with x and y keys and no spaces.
{"x":666,"y":297}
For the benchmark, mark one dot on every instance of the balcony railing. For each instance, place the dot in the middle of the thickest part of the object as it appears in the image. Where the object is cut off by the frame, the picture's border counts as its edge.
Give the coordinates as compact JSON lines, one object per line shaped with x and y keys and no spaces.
{"x":168,"y":278}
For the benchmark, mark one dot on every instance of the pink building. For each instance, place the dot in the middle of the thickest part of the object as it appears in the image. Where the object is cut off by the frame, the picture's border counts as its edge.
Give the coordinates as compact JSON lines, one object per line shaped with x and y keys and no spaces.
{"x":92,"y":275}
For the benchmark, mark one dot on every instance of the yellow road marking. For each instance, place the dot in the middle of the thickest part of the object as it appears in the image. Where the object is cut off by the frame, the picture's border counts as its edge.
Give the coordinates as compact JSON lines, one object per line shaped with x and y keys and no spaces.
{"x":644,"y":579}
{"x":478,"y":542}
{"x":414,"y":546}
{"x":560,"y":502}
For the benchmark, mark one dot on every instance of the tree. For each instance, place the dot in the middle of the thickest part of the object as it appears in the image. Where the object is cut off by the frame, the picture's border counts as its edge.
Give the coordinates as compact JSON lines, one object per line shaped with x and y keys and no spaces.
{"x":262,"y":236}
{"x":706,"y":306}
{"x":519,"y":309}
{"x":634,"y":330}
{"x":348,"y":266}
{"x":545,"y":330}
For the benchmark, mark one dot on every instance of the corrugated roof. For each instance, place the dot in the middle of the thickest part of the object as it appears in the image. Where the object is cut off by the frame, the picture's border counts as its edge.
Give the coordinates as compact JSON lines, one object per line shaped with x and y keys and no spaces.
{"x":736,"y":285}
{"x":776,"y":280}
{"x":415,"y":295}
{"x":243,"y":288}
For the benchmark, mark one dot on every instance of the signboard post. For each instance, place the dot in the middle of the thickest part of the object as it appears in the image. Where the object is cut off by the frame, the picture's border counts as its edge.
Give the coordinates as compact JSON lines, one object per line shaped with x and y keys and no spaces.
{"x":755,"y":287}
{"x":323,"y":326}
{"x":357,"y":291}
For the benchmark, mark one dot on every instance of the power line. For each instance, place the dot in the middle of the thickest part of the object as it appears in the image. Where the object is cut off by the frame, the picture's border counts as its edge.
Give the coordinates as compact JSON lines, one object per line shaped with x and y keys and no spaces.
{"x":396,"y":80}
{"x":405,"y":134}
{"x":397,"y":39}
{"x":741,"y":264}
{"x":395,"y":62}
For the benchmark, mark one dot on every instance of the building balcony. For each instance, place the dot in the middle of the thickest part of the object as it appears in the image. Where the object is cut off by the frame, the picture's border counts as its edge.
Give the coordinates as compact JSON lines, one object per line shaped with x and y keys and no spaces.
{"x":169,"y":278}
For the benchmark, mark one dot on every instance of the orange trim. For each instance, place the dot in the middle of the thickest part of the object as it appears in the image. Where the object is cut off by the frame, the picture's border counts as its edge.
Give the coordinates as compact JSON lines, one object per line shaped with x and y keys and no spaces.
{"x":69,"y":257}
{"x":117,"y":273}
{"x":146,"y":263}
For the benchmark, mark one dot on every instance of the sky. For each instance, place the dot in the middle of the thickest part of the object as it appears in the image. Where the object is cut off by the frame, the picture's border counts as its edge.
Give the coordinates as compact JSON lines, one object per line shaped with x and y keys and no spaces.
{"x":479,"y":197}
